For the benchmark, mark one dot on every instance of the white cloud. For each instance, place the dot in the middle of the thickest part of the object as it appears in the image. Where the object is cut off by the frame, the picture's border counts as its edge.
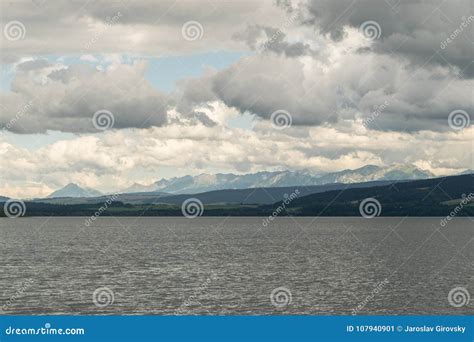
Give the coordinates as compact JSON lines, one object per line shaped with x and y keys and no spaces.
{"x":114,"y":160}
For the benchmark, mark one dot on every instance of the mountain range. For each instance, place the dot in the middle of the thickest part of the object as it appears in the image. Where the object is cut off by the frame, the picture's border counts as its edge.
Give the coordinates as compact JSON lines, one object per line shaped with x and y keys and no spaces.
{"x":228,"y":181}
{"x":210,"y":182}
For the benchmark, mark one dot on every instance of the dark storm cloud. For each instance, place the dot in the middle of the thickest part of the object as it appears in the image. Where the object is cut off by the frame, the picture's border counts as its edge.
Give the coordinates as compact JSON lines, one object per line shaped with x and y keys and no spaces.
{"x":264,"y":38}
{"x":417,"y":30}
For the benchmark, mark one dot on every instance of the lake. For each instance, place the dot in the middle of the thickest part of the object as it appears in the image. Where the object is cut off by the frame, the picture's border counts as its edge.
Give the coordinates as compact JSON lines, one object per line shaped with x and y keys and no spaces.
{"x":235,"y":266}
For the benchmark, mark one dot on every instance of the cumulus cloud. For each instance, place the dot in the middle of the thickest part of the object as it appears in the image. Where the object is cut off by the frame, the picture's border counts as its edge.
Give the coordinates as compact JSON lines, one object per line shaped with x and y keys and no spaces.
{"x":66,"y":98}
{"x":344,"y":86}
{"x":114,"y":160}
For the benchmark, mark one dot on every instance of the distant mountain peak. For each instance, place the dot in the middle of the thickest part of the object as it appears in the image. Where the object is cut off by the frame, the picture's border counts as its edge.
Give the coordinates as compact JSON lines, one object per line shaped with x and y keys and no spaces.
{"x":74,"y":190}
{"x":138,"y":187}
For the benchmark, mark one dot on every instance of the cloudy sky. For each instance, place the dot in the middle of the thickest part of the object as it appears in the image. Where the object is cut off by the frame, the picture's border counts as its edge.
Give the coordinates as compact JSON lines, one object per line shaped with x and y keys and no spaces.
{"x":108,"y":93}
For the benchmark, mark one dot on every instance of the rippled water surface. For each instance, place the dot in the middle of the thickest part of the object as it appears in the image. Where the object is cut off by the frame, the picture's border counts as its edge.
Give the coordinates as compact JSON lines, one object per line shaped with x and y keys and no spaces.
{"x":231,"y":266}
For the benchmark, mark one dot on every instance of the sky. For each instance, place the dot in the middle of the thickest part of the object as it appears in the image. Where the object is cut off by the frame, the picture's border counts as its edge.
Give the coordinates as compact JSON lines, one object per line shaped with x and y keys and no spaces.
{"x":110,"y":93}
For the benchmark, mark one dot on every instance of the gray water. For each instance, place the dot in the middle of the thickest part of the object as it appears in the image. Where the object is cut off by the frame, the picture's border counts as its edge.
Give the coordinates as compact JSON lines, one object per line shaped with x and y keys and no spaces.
{"x":227,"y":266}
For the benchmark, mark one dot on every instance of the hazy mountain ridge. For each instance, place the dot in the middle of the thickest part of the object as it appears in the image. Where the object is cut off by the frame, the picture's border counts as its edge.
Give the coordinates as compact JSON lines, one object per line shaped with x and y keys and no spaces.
{"x":264,"y":179}
{"x":207,"y":182}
